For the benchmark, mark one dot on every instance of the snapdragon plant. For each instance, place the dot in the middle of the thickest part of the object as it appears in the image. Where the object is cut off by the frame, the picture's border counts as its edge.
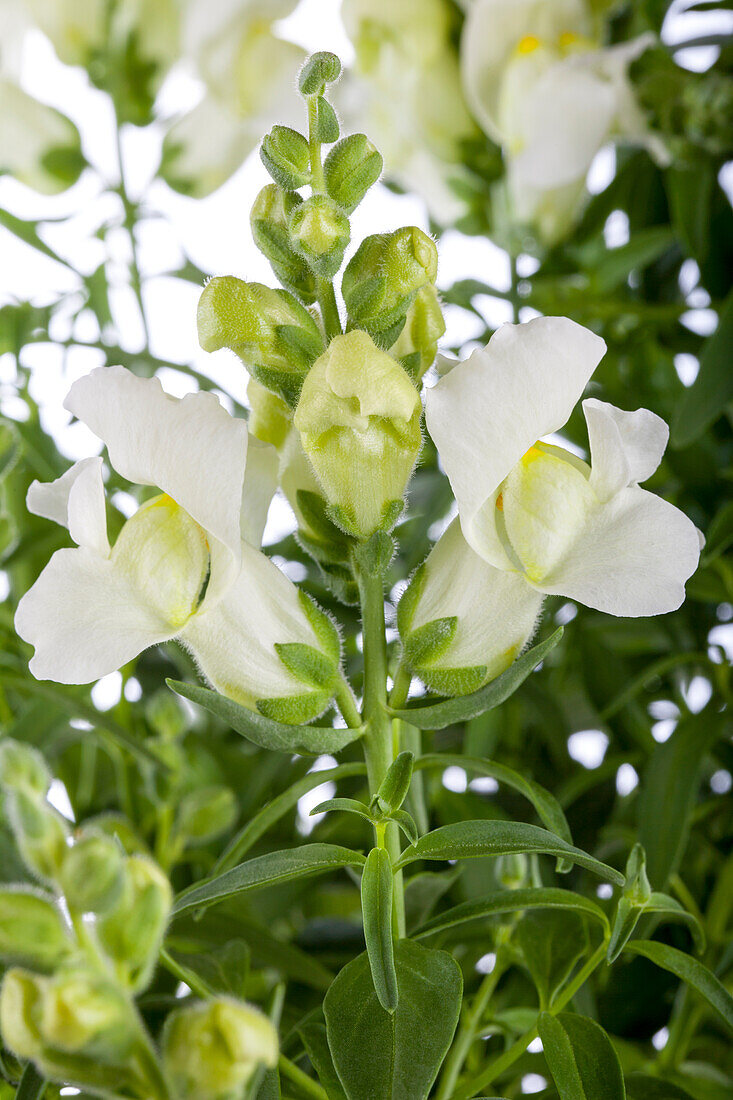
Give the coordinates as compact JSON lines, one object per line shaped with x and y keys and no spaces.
{"x":156,"y":957}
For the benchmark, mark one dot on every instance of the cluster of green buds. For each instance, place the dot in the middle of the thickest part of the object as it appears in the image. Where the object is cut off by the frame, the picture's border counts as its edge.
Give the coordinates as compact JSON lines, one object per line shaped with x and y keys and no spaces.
{"x":84,"y":943}
{"x":334,"y":387}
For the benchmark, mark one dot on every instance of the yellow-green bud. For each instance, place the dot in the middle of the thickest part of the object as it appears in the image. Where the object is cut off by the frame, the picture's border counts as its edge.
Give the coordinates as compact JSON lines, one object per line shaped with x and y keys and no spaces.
{"x":19,"y":1006}
{"x":40,"y":833}
{"x":31,"y":929}
{"x":270,"y":418}
{"x":286,"y":157}
{"x":271,"y":331}
{"x":383,"y":277}
{"x":511,"y":870}
{"x":359,"y":422}
{"x":22,"y":766}
{"x":211,"y":1050}
{"x":165,"y":714}
{"x":320,"y":69}
{"x":83,"y":1012}
{"x":132,"y":932}
{"x":269,"y":222}
{"x":350,"y":169}
{"x":205,"y":814}
{"x":91,"y":877}
{"x":320,"y":232}
{"x":417,"y":344}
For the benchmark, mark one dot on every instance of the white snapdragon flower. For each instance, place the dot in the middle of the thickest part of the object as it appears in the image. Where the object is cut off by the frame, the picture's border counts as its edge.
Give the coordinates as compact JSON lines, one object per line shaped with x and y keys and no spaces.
{"x":541,"y":86}
{"x":588,"y":532}
{"x":186,"y":565}
{"x":536,"y":520}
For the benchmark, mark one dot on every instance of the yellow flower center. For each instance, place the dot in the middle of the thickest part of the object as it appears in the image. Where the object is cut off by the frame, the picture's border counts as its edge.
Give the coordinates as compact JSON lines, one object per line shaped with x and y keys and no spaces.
{"x":528,"y":44}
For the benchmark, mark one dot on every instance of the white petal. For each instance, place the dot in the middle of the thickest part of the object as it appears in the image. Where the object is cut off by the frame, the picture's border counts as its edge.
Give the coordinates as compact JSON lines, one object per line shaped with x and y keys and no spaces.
{"x":76,"y":501}
{"x":84,"y":619}
{"x":632,"y":558}
{"x":191,"y":449}
{"x":491,"y":33}
{"x":489,"y":410}
{"x":233,"y":642}
{"x":625,"y":447}
{"x":260,"y":483}
{"x":497,"y":611}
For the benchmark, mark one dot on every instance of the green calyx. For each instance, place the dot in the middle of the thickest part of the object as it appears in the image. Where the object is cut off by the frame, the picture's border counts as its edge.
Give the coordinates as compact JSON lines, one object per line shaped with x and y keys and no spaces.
{"x":269,"y":221}
{"x":350,"y":169}
{"x":320,"y":69}
{"x":320,"y":232}
{"x":285,"y":155}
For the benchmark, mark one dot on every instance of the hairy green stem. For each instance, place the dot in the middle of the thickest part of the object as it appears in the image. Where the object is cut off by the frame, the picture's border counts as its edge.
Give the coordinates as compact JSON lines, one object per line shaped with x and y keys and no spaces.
{"x":347,"y":703}
{"x":306,"y":1084}
{"x":329,"y":308}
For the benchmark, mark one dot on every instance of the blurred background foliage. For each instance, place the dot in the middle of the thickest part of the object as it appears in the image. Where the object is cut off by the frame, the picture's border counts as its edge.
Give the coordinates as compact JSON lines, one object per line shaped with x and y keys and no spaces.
{"x":626,"y":722}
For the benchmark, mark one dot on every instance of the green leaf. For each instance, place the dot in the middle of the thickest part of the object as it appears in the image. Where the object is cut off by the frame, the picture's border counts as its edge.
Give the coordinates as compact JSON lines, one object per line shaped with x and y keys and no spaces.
{"x":548,"y":808}
{"x":406,"y":823}
{"x":688,"y":970}
{"x":313,"y":1034}
{"x":669,"y":789}
{"x":616,"y":264}
{"x":513,"y":901}
{"x":268,"y":870}
{"x":470,"y":839}
{"x":551,"y":943}
{"x":712,"y":390}
{"x":665,"y":906}
{"x":639,"y":1086}
{"x":327,"y":125}
{"x":223,"y":970}
{"x":273,"y":811}
{"x":393,"y":1056}
{"x":396,"y":783}
{"x":345,"y":805}
{"x":436,"y":716}
{"x":581,"y":1058}
{"x":32,"y":1086}
{"x":265,"y":732}
{"x":376,"y":907}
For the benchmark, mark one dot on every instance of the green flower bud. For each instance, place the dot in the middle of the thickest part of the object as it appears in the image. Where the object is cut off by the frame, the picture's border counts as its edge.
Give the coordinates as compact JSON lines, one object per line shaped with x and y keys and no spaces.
{"x":132,"y":932}
{"x":359,"y":422}
{"x":511,"y":870}
{"x":320,"y":232}
{"x":320,"y":69}
{"x":205,"y":814}
{"x":417,"y":344}
{"x":211,"y":1050}
{"x":91,"y":877}
{"x":22,"y":766}
{"x":40,"y":833}
{"x":271,"y":331}
{"x":166,"y":715}
{"x":85,"y":1013}
{"x":31,"y":929}
{"x":286,"y":157}
{"x":350,"y":169}
{"x":20,"y":997}
{"x":269,"y":222}
{"x":270,"y":419}
{"x":383,"y":277}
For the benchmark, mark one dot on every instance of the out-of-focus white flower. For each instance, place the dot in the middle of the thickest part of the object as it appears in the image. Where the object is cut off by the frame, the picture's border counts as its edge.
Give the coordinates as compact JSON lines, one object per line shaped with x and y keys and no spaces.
{"x":540,"y":85}
{"x":186,"y":565}
{"x":406,"y":95}
{"x":249,"y":75}
{"x":588,"y":532}
{"x":38,"y":145}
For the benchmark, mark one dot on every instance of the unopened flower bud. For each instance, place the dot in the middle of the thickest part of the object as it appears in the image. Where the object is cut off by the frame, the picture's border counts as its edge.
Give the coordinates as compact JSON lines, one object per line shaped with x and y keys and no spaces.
{"x":22,"y":766}
{"x":417,"y":344}
{"x":461,"y":621}
{"x":320,"y":69}
{"x":270,"y":418}
{"x":91,"y":877}
{"x":40,"y":833}
{"x":320,"y":232}
{"x":269,"y":222}
{"x":211,"y":1050}
{"x":20,"y":997}
{"x":359,"y":422}
{"x":32,"y":931}
{"x":383,"y":277}
{"x":206,"y":813}
{"x":286,"y":157}
{"x":271,"y":331}
{"x":350,"y":169}
{"x":86,"y":1013}
{"x":511,"y":870}
{"x":131,"y":933}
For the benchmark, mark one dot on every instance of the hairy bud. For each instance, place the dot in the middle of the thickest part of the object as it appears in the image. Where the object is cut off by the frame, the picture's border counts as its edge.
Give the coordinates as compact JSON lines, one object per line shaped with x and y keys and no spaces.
{"x":269,"y":222}
{"x":23,"y":767}
{"x":350,"y":169}
{"x":286,"y":157}
{"x":131,"y":933}
{"x":320,"y":232}
{"x":40,"y":833}
{"x":91,"y":877}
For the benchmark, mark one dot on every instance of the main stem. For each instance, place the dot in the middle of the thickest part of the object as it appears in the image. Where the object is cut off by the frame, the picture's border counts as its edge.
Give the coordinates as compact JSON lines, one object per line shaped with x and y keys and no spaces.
{"x":378,"y":741}
{"x":324,"y":287}
{"x":130,"y":209}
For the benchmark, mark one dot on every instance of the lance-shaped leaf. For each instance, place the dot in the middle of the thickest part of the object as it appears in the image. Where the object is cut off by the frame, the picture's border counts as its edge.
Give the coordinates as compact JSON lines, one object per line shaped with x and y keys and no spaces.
{"x":396,"y":783}
{"x":397,"y":1054}
{"x":32,"y":1085}
{"x":268,"y":870}
{"x":581,"y":1058}
{"x":376,"y":907}
{"x":513,"y":901}
{"x":266,"y":732}
{"x":470,"y":839}
{"x":436,"y":716}
{"x":689,"y":970}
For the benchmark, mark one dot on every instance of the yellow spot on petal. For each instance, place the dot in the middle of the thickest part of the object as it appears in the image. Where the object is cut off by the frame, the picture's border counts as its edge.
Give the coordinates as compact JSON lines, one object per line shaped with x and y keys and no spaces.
{"x":567,"y":39}
{"x":531,"y":456}
{"x":500,"y":502}
{"x":528,"y":44}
